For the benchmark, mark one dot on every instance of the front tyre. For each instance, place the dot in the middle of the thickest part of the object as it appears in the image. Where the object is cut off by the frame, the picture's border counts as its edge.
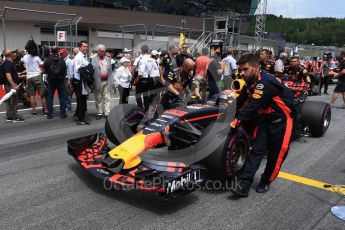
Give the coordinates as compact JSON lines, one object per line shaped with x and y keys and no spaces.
{"x":230,"y":158}
{"x":122,"y":122}
{"x":236,"y":152}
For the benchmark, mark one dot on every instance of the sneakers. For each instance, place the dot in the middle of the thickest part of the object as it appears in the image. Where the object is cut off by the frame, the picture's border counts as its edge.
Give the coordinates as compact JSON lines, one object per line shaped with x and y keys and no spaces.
{"x":63,"y":116}
{"x":19,"y":119}
{"x":99,"y":116}
{"x":10,"y":119}
{"x":75,"y":118}
{"x":82,"y":123}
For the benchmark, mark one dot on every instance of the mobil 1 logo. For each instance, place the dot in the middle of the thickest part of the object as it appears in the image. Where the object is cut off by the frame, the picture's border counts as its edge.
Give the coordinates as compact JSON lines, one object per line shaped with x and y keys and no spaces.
{"x":182,"y":181}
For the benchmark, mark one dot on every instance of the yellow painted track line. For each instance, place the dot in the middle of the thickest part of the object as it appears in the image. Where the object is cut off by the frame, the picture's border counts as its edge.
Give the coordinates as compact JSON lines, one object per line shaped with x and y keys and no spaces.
{"x":306,"y":181}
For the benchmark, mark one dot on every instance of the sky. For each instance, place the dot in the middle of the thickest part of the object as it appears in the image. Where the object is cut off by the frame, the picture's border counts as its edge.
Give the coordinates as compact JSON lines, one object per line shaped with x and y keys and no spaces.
{"x":307,"y":8}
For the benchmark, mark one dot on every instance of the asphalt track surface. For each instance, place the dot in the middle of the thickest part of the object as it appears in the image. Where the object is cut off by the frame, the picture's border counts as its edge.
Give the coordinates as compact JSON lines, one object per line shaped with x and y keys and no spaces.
{"x":42,"y":187}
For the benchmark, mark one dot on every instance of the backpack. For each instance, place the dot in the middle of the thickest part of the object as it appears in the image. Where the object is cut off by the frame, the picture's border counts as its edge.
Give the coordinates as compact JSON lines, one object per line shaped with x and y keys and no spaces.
{"x":57,"y":69}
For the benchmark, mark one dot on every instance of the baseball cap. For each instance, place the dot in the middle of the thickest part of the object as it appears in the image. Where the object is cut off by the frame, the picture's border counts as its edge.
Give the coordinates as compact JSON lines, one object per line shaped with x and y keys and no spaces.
{"x":283,"y":54}
{"x":122,"y":60}
{"x":154,"y":53}
{"x":63,"y":51}
{"x":125,"y":50}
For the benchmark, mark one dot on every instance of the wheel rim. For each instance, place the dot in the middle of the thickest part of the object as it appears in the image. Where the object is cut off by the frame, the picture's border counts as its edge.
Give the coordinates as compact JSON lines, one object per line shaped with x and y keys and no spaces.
{"x":236,"y":154}
{"x":326,"y":120}
{"x":237,"y":159}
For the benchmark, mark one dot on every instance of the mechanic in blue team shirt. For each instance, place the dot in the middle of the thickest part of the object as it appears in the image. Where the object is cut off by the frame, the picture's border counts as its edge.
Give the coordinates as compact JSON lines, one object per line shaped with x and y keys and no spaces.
{"x":268,"y":103}
{"x":266,"y":62}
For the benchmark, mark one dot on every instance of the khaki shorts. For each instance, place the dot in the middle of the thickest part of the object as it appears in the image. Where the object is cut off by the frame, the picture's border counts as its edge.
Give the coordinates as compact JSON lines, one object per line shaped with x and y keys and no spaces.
{"x":35,"y":84}
{"x":198,"y":82}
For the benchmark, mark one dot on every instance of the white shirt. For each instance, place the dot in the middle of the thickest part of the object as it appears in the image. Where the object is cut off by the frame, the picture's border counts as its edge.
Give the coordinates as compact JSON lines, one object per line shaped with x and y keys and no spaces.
{"x":80,"y":60}
{"x":148,"y":67}
{"x":70,"y":66}
{"x":123,"y":77}
{"x":230,"y":65}
{"x":279,"y":66}
{"x":155,"y":72}
{"x":32,"y":65}
{"x":136,"y":60}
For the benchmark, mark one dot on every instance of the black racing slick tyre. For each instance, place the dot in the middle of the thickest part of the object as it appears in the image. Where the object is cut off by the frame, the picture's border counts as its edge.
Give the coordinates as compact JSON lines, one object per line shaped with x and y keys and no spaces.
{"x":317,"y":116}
{"x":122,"y":122}
{"x":228,"y":162}
{"x":236,"y":152}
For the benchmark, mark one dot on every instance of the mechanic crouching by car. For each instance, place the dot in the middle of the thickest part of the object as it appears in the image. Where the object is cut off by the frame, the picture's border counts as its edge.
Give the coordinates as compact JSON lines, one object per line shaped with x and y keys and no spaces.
{"x":178,"y":87}
{"x":270,"y":103}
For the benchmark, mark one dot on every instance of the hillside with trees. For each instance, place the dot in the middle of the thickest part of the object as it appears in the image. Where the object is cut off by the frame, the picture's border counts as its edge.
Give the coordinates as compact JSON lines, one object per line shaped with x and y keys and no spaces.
{"x":318,"y":31}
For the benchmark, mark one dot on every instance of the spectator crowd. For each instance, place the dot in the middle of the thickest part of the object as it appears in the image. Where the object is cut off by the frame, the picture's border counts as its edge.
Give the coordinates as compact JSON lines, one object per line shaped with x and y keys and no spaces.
{"x":75,"y":75}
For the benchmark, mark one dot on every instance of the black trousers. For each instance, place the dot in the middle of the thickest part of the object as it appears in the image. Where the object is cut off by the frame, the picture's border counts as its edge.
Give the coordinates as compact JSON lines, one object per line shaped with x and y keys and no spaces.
{"x":142,"y":93}
{"x":81,"y":100}
{"x":324,"y":82}
{"x":124,"y":94}
{"x":270,"y":139}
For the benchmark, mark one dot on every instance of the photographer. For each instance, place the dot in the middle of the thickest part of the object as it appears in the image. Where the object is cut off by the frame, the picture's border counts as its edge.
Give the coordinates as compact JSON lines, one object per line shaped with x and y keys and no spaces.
{"x":33,"y":64}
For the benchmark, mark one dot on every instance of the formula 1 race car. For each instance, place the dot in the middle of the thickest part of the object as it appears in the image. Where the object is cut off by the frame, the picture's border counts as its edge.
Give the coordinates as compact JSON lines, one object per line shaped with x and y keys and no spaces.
{"x":174,"y":153}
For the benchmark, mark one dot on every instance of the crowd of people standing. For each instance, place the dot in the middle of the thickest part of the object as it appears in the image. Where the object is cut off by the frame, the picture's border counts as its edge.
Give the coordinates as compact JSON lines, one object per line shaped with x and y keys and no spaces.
{"x":151,"y":72}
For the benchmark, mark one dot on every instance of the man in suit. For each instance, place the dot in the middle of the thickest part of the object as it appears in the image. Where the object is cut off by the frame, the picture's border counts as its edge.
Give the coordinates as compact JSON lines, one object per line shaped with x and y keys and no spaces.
{"x":102,"y":81}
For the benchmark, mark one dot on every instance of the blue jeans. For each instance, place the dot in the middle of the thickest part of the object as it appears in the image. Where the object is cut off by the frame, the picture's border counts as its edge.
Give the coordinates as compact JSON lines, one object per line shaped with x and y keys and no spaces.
{"x":60,"y":87}
{"x":68,"y":99}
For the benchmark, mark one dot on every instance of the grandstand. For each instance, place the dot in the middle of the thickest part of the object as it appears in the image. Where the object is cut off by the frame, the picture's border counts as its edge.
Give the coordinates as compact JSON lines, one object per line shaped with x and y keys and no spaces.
{"x":178,"y":7}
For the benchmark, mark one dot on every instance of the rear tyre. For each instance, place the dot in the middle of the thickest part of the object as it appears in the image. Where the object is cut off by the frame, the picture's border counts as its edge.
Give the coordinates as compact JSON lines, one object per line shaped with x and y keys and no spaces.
{"x":122,"y":122}
{"x":317,"y":116}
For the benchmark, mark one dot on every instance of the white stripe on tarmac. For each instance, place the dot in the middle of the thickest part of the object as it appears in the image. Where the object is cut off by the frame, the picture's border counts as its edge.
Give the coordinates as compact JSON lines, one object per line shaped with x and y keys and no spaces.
{"x":74,"y":103}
